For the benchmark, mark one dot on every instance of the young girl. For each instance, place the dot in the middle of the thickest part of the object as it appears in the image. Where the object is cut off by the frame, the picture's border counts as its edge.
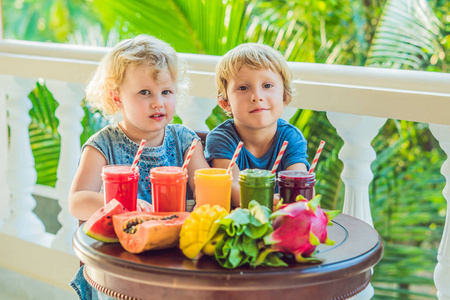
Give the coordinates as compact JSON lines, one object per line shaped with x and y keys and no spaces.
{"x":139,"y":78}
{"x":254,"y":85}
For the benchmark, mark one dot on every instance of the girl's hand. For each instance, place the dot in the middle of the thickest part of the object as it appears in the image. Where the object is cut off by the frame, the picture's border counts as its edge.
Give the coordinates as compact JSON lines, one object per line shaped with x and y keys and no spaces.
{"x":144,"y":206}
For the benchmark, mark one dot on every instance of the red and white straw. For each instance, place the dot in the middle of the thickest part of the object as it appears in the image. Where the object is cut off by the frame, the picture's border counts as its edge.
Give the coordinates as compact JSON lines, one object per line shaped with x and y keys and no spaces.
{"x":280,"y":155}
{"x":189,"y":154}
{"x":138,"y":154}
{"x":235,"y":155}
{"x":316,"y":157}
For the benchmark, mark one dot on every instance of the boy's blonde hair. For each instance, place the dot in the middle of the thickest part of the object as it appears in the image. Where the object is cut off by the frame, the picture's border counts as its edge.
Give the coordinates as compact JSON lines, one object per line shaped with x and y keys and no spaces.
{"x":144,"y":50}
{"x":255,"y":56}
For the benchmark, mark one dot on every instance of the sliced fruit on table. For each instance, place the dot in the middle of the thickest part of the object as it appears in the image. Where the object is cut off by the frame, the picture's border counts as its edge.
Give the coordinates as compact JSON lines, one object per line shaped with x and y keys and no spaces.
{"x":200,"y":228}
{"x":100,"y":227}
{"x":299,"y":228}
{"x":143,"y":231}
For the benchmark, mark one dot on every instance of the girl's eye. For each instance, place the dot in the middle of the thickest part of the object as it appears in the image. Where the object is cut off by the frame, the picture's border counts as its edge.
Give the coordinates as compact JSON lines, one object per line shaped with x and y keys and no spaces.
{"x":242,"y":88}
{"x":167,"y":92}
{"x":268,"y":85}
{"x":144,"y":92}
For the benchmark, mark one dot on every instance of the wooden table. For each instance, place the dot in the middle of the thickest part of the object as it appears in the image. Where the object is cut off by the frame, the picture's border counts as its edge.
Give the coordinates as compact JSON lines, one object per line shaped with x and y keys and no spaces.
{"x":167,"y":274}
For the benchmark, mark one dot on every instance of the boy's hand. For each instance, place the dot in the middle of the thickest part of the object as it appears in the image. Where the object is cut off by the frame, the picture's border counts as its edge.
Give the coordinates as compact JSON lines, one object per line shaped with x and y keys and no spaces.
{"x":276,"y":199}
{"x":144,"y":206}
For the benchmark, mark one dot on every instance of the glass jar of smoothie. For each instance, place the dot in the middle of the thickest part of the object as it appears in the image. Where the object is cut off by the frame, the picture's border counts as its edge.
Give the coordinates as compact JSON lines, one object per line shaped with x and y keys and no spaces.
{"x":120,"y":182}
{"x":168,"y":189}
{"x":256,"y":184}
{"x":294,"y":183}
{"x":213,"y":186}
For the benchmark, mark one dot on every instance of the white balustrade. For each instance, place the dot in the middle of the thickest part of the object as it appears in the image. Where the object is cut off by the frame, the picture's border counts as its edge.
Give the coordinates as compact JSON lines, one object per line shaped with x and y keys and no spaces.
{"x":69,"y":114}
{"x":194,"y":111}
{"x":289,"y":112}
{"x":21,"y":175}
{"x":339,"y":90}
{"x":357,"y":154}
{"x":442,"y":271}
{"x":4,"y":188}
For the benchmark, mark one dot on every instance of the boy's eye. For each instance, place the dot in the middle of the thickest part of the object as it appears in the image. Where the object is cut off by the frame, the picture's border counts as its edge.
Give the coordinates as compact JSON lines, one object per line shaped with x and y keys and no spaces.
{"x":144,"y":92}
{"x":167,"y":92}
{"x":242,"y":88}
{"x":268,"y":85}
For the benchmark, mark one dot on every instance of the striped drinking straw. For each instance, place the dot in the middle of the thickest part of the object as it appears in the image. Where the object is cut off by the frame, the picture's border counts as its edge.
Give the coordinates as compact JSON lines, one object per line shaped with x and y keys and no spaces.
{"x":316,"y":157}
{"x":138,"y":154}
{"x":189,"y":154}
{"x":235,"y":155}
{"x":280,"y":155}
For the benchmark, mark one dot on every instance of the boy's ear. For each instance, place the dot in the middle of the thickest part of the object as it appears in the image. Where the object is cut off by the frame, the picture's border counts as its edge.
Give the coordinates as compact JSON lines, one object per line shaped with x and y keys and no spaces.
{"x":286,"y":100}
{"x":116,"y":98}
{"x":223,"y":103}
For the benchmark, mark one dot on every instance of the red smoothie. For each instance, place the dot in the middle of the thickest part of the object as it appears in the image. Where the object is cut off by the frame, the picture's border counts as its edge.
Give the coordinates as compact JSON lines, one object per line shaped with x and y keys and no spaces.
{"x":121,"y":183}
{"x":168,"y":189}
{"x":294,"y":183}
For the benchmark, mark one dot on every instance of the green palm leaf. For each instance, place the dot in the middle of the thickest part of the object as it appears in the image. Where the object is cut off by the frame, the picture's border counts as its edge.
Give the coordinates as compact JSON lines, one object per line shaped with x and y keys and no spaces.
{"x":163,"y":21}
{"x":44,"y":138}
{"x":407,"y":36}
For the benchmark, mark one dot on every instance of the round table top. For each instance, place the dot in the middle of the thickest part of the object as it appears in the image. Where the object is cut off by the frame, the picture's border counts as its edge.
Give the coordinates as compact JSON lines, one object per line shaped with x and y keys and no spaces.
{"x":345,"y":267}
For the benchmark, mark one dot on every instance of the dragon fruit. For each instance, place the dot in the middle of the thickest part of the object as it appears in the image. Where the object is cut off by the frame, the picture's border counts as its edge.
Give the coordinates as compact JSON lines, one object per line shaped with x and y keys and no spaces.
{"x":299,"y":228}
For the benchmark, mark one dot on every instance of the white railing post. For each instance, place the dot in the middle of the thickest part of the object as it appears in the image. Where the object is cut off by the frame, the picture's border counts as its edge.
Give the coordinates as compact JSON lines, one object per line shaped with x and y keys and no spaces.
{"x":21,"y":174}
{"x":442,"y":270}
{"x":4,"y":189}
{"x":357,"y":154}
{"x":194,"y":111}
{"x":69,"y":114}
{"x":289,"y":112}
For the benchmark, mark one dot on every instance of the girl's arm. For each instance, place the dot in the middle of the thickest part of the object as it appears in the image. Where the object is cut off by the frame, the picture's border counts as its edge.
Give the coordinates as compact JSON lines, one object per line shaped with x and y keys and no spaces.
{"x":223,"y":163}
{"x":84,"y":196}
{"x":198,"y":161}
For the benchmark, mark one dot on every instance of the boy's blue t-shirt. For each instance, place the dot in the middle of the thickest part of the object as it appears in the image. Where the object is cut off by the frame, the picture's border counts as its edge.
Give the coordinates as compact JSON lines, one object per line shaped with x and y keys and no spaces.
{"x":222,"y":141}
{"x":117,"y":148}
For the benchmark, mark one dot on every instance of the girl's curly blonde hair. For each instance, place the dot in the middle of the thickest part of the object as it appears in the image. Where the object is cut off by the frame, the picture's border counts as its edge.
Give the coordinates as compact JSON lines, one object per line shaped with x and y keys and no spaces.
{"x":255,"y":56}
{"x":140,"y":50}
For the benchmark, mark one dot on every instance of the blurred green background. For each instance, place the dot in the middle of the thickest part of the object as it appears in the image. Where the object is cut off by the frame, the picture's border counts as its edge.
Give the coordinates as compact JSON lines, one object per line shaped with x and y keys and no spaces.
{"x":407,"y":205}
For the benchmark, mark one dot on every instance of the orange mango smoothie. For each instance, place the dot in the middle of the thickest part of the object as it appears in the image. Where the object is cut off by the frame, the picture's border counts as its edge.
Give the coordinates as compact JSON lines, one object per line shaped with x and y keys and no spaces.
{"x":213,"y":186}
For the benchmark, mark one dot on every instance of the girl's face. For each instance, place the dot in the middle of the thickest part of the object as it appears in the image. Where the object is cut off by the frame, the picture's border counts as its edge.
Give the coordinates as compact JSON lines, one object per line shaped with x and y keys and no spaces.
{"x":147,"y":104}
{"x":255,"y":98}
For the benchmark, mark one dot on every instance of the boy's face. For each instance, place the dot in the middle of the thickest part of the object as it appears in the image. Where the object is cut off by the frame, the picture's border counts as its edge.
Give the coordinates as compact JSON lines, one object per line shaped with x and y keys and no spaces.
{"x":147,"y":103}
{"x":255,"y":98}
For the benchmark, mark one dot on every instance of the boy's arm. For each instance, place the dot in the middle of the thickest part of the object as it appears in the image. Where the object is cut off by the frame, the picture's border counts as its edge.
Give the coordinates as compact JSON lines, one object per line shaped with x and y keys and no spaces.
{"x":235,"y":188}
{"x":84,"y":196}
{"x":198,"y":161}
{"x":298,"y":167}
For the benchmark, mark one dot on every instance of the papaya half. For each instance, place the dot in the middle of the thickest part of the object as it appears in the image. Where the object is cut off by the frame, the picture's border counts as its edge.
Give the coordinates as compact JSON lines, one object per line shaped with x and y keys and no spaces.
{"x":142,"y":231}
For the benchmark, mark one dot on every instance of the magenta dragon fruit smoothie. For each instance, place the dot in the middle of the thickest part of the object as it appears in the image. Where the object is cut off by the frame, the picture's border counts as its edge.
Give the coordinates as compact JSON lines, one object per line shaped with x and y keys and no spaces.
{"x":294,"y":183}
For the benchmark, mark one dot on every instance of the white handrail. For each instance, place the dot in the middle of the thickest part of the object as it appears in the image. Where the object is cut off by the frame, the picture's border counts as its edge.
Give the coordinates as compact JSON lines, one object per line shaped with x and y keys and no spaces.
{"x":419,"y":96}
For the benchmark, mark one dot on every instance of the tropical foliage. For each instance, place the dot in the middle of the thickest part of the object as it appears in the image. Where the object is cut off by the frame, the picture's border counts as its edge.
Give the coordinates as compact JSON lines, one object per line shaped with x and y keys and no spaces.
{"x":406,"y":200}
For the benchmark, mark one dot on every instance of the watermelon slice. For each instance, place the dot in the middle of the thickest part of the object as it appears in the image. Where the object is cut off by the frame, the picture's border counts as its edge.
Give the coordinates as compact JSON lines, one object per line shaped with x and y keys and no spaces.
{"x":100,"y":225}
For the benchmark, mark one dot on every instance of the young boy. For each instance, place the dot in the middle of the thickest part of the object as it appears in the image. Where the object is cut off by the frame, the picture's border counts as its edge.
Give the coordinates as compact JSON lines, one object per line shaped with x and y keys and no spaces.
{"x":254,"y":85}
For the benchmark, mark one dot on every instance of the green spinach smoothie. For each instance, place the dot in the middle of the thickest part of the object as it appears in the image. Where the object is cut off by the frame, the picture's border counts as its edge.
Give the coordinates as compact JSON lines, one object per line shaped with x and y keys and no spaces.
{"x":256,"y":184}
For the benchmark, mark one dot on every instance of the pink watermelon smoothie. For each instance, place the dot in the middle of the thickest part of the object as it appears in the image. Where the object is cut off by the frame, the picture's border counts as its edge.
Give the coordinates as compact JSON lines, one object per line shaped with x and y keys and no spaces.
{"x":120,"y":182}
{"x":169,"y":189}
